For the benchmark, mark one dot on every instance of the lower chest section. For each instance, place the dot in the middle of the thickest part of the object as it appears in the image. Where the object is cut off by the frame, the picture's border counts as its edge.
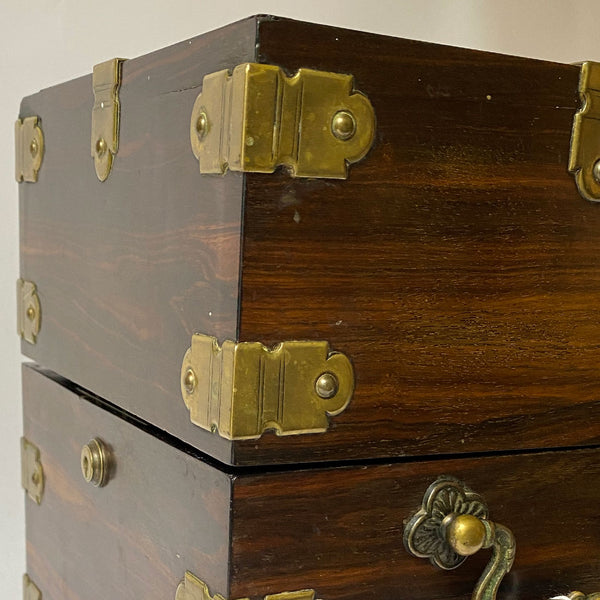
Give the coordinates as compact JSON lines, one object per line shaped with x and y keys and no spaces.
{"x":119,"y":510}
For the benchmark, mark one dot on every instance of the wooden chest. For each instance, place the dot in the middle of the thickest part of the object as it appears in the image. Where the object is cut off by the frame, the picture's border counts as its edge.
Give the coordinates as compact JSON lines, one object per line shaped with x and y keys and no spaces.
{"x":308,"y":305}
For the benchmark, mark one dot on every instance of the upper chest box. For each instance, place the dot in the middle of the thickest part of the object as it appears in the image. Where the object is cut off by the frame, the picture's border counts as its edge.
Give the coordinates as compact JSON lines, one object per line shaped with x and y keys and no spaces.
{"x":396,"y":243}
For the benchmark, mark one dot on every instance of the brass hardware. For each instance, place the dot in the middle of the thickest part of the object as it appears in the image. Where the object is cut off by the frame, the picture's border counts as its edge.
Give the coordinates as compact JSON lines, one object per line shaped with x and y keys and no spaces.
{"x":452,"y":524}
{"x":326,"y":386}
{"x":30,"y":590}
{"x":256,"y":118}
{"x":29,"y":149}
{"x":29,"y":311}
{"x":32,"y":472}
{"x":106,"y":115}
{"x":243,"y":389}
{"x":192,"y":588}
{"x":343,"y":125}
{"x":189,"y":380}
{"x":94,"y":463}
{"x":578,"y":596}
{"x":584,"y":158}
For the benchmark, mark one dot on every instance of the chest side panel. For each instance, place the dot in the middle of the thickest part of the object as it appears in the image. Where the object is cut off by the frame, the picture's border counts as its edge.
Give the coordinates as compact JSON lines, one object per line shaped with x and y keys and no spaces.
{"x":457,"y":266}
{"x":162,"y":512}
{"x":128,"y":269}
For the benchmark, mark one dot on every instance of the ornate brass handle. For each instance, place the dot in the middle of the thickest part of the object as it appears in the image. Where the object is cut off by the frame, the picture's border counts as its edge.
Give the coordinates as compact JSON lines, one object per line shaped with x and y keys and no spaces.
{"x":452,"y":524}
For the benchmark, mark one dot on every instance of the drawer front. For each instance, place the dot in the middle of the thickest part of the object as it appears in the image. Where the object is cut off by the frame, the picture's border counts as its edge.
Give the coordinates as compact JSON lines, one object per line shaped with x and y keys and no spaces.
{"x":340,"y":531}
{"x":160,"y":513}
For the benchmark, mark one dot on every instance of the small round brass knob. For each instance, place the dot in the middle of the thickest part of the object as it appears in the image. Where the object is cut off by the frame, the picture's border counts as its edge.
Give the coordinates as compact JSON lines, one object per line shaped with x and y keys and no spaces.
{"x":30,"y":312}
{"x":343,"y":125}
{"x":465,"y":533}
{"x":326,"y":386}
{"x":94,"y":463}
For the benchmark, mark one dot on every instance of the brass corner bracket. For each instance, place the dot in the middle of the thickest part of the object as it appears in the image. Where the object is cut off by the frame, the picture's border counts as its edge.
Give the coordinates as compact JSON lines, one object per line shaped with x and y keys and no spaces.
{"x":192,"y":588}
{"x":584,"y":157}
{"x":106,"y":115}
{"x":242,"y":389}
{"x":255,"y":118}
{"x":29,"y":311}
{"x":30,"y":590}
{"x":29,"y":149}
{"x":32,"y":471}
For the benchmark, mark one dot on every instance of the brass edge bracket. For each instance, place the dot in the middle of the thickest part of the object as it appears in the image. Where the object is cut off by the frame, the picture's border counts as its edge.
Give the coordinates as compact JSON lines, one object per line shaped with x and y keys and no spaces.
{"x":242,"y":389}
{"x":30,"y":590}
{"x":452,"y":524}
{"x":32,"y":472}
{"x":192,"y":588}
{"x":106,"y":115}
{"x":255,"y":118}
{"x":29,"y":149}
{"x":29,"y":311}
{"x":584,"y":157}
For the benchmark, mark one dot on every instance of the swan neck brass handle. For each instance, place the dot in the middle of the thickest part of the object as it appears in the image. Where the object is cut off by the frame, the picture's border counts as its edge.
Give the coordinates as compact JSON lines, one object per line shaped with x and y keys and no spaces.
{"x":452,"y":524}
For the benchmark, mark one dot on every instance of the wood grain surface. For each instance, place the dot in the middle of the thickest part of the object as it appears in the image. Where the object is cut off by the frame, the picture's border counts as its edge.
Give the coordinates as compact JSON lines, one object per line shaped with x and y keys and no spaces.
{"x":127,"y":270}
{"x":162,"y":512}
{"x":339,"y":531}
{"x":457,"y":266}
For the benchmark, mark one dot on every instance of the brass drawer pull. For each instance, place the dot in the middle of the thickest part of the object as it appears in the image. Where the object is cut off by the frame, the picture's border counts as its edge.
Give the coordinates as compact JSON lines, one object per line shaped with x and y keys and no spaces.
{"x":95,"y":463}
{"x":452,"y":524}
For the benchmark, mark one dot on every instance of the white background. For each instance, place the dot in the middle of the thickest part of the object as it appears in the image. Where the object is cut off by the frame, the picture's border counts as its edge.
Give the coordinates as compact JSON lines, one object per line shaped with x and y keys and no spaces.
{"x":44,"y":42}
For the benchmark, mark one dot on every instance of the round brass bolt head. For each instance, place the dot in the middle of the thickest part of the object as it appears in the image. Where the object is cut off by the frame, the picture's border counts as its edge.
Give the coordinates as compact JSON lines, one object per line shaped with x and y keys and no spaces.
{"x":326,"y":386}
{"x":202,"y":125}
{"x":189,"y":380}
{"x":596,"y":170}
{"x":101,"y":147}
{"x":33,"y":148}
{"x":343,"y":125}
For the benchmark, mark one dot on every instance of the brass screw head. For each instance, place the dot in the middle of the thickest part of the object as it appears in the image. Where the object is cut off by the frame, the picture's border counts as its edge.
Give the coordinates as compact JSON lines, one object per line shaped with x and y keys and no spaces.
{"x":189,"y":380}
{"x":30,"y":312}
{"x":343,"y":125}
{"x":596,"y":170}
{"x":101,"y":147}
{"x":94,"y":465}
{"x":33,"y":148}
{"x":202,"y":125}
{"x":465,"y":533}
{"x":326,"y":386}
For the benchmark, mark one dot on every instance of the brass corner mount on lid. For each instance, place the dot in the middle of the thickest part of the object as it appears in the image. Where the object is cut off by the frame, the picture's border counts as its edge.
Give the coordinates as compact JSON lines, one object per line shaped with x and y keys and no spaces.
{"x":106,"y":115}
{"x":256,"y":118}
{"x":584,"y":157}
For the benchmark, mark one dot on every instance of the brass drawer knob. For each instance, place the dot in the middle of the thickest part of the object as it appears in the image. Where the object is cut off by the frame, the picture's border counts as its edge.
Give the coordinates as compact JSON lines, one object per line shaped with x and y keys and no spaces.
{"x":452,"y":524}
{"x":94,"y":463}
